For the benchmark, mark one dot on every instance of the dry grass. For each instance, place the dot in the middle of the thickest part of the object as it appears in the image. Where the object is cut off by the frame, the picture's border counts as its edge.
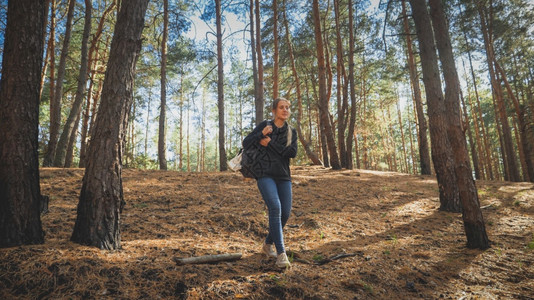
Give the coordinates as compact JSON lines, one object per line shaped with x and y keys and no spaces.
{"x":403,"y":246}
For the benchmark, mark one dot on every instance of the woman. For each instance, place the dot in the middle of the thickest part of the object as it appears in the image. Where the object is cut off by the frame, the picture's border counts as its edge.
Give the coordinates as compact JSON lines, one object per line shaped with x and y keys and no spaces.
{"x":278,"y":144}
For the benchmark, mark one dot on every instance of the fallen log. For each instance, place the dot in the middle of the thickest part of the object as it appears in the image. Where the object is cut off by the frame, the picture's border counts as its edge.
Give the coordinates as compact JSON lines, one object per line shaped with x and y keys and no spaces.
{"x":208,"y":258}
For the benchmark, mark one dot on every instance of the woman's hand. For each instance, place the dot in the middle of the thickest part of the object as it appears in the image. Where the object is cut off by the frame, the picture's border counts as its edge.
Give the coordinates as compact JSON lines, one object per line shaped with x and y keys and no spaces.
{"x":267,"y":130}
{"x":265,"y":141}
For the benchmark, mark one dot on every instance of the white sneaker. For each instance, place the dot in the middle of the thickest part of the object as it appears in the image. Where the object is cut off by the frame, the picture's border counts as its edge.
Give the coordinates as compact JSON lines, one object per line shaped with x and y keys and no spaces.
{"x":269,"y":250}
{"x":282,"y":261}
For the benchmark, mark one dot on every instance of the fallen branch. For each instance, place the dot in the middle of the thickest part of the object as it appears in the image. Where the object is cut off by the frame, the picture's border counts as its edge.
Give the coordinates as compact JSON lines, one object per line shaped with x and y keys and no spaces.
{"x":208,"y":258}
{"x":339,"y":256}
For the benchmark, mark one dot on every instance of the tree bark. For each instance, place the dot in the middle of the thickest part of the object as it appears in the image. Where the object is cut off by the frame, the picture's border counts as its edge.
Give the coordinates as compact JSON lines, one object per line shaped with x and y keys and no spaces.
{"x":276,"y":51}
{"x":342,"y":87}
{"x":323,"y":100}
{"x":352,"y":120}
{"x":101,"y":198}
{"x":220,"y":89}
{"x":22,"y":61}
{"x":442,"y":155}
{"x":424,"y":157}
{"x":260,"y":102}
{"x":474,"y":226}
{"x":54,"y":115}
{"x":69,"y":128}
{"x":162,"y":139}
{"x":254,"y":61}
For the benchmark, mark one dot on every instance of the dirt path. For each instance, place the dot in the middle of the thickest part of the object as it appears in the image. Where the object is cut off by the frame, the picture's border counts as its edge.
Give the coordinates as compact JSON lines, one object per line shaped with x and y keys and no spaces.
{"x":398,"y":244}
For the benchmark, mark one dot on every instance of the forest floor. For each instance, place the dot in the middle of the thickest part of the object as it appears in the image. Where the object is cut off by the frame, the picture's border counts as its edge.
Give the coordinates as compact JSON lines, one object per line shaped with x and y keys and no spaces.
{"x":397,"y":243}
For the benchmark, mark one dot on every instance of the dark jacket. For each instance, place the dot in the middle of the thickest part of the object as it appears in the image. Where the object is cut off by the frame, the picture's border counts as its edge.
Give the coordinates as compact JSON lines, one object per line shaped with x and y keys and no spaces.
{"x":274,"y":158}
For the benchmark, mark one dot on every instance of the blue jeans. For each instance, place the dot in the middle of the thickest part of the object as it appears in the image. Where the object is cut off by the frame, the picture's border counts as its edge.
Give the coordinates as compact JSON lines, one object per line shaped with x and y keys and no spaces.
{"x":278,"y":198}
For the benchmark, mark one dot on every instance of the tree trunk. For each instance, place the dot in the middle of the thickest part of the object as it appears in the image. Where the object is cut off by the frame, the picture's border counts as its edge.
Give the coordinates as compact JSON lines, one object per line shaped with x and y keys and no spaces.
{"x":305,"y":142}
{"x":508,"y":149}
{"x":260,"y":102}
{"x":424,"y":157}
{"x":220,"y":89}
{"x":72,"y":142}
{"x":404,"y":155}
{"x":323,"y":100}
{"x":472,"y":142}
{"x":69,"y":129}
{"x":162,"y":139}
{"x":275,"y":45}
{"x":54,"y":115}
{"x":442,"y":155}
{"x":526,"y":158}
{"x":50,"y":157}
{"x":342,"y":82}
{"x":101,"y":198}
{"x":90,"y":107}
{"x":20,"y":194}
{"x":352,"y":120}
{"x":254,"y":62}
{"x":474,"y":226}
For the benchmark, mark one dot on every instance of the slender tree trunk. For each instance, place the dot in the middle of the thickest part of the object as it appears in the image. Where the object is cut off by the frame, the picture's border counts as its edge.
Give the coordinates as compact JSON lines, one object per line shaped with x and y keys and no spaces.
{"x":352,"y":120}
{"x":54,"y":115}
{"x":275,"y":45}
{"x":145,"y":160}
{"x":101,"y":198}
{"x":342,"y":81}
{"x":424,"y":157}
{"x":305,"y":142}
{"x":162,"y":137}
{"x":22,"y":61}
{"x":254,"y":62}
{"x":220,"y":88}
{"x":472,"y":142}
{"x":260,"y":102}
{"x":72,"y":142}
{"x":69,"y":128}
{"x":508,"y":149}
{"x":92,"y":100}
{"x":45,"y":62}
{"x":402,"y":136}
{"x":526,"y":157}
{"x":58,"y":94}
{"x":323,"y":100}
{"x":442,"y":155}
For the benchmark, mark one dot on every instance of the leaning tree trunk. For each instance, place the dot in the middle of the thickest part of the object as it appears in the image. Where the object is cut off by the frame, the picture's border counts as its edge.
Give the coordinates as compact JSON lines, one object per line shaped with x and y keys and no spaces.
{"x":323,"y":100}
{"x":220,"y":88}
{"x":20,"y":193}
{"x":475,"y":229}
{"x":162,"y":149}
{"x":69,"y":129}
{"x":442,"y":155}
{"x":424,"y":157}
{"x":101,"y":197}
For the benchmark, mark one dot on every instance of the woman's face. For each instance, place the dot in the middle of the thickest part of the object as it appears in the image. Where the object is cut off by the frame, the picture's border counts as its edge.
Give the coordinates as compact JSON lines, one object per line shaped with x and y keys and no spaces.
{"x":282,"y":111}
